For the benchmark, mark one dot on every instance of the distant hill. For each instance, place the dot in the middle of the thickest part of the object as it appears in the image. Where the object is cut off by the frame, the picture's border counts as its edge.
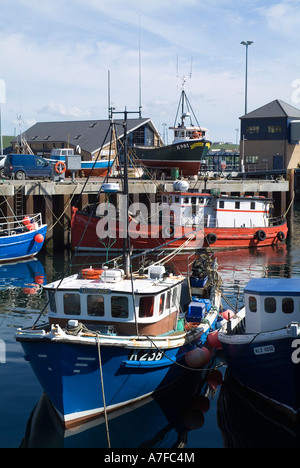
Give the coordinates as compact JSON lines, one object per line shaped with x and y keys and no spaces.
{"x":225,"y":146}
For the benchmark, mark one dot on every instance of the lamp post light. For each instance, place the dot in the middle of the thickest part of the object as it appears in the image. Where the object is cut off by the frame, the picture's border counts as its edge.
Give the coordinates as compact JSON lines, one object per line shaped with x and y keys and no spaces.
{"x":246,"y":43}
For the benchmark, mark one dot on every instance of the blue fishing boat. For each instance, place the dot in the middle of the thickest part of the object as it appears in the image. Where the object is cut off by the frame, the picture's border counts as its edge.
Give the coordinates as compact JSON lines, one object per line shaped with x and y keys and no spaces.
{"x":261,"y":342}
{"x":97,"y":168}
{"x":113,"y":340}
{"x":21,"y":237}
{"x":115,"y":336}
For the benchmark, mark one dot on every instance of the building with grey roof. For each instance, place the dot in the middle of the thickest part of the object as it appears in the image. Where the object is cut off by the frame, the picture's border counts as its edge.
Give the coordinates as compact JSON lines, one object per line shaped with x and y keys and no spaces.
{"x":270,"y":137}
{"x":91,"y":136}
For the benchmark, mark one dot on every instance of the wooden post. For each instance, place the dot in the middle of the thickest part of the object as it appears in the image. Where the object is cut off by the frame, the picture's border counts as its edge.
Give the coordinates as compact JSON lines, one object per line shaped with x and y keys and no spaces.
{"x":290,"y":203}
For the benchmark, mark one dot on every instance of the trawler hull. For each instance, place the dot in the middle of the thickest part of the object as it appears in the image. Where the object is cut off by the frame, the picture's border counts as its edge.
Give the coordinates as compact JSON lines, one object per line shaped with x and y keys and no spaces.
{"x":186,"y":156}
{"x":156,"y":236}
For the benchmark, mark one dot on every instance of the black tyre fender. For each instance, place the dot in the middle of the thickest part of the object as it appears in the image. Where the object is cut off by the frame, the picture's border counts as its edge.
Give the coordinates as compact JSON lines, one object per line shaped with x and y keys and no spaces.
{"x":261,"y":235}
{"x":211,"y":238}
{"x":280,"y":236}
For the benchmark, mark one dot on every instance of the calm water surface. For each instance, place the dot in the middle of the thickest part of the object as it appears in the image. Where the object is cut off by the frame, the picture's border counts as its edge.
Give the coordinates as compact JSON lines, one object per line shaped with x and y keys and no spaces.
{"x":192,"y":414}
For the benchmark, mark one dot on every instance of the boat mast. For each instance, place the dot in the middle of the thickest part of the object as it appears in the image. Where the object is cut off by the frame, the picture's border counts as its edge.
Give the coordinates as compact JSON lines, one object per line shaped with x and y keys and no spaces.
{"x":126,"y":240}
{"x":184,"y":102}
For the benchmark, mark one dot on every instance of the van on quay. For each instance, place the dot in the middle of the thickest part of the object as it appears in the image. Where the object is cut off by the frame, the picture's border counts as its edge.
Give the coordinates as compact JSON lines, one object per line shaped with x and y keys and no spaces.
{"x":23,"y":166}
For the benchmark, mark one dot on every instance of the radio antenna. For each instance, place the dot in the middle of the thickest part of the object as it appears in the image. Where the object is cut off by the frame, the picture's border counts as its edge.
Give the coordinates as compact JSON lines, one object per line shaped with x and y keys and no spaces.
{"x":184,"y":78}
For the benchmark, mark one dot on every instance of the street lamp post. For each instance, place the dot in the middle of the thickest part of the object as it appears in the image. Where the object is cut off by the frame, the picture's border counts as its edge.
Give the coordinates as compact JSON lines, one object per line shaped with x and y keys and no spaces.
{"x":246,"y":43}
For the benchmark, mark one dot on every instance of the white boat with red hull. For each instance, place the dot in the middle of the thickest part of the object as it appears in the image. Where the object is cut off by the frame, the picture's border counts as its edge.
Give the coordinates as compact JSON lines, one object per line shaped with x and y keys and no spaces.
{"x":191,"y":219}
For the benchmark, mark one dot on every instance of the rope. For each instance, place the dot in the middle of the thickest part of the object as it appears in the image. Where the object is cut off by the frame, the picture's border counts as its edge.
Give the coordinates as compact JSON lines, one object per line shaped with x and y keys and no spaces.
{"x":103,"y":393}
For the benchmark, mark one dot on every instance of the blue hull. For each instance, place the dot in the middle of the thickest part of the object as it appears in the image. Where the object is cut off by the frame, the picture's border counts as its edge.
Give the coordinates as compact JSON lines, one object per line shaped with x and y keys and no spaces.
{"x":21,"y":245}
{"x":70,"y":376}
{"x":267,"y":368}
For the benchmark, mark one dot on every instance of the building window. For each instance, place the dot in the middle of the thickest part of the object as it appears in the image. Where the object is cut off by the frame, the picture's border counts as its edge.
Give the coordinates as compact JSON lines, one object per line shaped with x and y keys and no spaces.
{"x":274,"y":129}
{"x":252,"y":129}
{"x":251,"y":159}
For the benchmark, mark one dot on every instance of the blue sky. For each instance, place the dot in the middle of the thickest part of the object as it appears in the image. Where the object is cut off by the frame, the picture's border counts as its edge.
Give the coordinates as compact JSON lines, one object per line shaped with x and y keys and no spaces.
{"x":55,"y":56}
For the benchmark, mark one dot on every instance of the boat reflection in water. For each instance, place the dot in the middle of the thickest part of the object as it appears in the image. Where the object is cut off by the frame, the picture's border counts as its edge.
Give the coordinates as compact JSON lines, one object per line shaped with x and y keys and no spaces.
{"x":247,"y":420}
{"x":163,"y":420}
{"x":26,"y":274}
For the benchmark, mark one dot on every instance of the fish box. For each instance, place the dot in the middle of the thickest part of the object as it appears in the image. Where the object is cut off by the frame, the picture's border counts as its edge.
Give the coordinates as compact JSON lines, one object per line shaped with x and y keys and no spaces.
{"x":198,"y":283}
{"x":197,"y":310}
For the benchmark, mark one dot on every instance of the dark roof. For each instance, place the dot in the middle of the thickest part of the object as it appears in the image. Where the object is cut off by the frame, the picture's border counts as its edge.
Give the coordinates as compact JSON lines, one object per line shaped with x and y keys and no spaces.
{"x":88,"y":134}
{"x":275,"y":108}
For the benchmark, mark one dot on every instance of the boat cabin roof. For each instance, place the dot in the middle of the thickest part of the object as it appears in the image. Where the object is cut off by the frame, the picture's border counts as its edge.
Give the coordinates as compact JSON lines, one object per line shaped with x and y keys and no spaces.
{"x":121,"y":286}
{"x":275,"y":286}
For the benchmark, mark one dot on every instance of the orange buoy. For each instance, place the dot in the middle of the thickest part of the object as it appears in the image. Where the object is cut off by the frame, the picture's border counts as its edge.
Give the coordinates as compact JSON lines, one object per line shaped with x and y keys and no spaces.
{"x":213,"y":340}
{"x":26,"y":221}
{"x":227,"y":314}
{"x":197,"y":357}
{"x":39,"y":238}
{"x":91,"y":273}
{"x":30,"y":226}
{"x":214,"y":378}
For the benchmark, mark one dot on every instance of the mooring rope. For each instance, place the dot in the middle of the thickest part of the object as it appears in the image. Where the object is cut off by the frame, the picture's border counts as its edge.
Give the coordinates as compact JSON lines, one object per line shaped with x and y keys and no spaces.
{"x":103,"y":392}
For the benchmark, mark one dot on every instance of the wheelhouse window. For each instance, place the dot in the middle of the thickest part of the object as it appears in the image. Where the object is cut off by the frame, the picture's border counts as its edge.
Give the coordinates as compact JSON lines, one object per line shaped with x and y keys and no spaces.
{"x":237,"y":205}
{"x":168,"y":300}
{"x":146,"y":306}
{"x":287,"y":305}
{"x":119,"y":306}
{"x":161,"y":304}
{"x":252,"y":304}
{"x":221,"y":204}
{"x":270,"y":305}
{"x":252,"y":205}
{"x":175,"y":297}
{"x":95,"y":305}
{"x":72,"y":304}
{"x":52,"y":302}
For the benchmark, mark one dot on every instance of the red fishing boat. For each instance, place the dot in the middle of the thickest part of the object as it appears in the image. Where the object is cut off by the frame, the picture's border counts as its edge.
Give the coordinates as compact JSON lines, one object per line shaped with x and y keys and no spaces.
{"x":183,"y":219}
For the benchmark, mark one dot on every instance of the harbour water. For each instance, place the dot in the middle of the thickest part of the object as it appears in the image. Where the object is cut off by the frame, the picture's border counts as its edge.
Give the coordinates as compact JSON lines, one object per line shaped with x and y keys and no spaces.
{"x":198,"y":412}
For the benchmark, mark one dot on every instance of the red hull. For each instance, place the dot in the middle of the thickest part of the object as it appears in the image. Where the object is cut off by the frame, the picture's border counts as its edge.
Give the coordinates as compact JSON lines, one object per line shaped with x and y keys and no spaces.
{"x":152,"y":237}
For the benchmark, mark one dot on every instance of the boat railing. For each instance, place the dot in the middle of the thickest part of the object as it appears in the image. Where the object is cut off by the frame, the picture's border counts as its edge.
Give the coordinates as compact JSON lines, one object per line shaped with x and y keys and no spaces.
{"x":13,"y":224}
{"x":277,"y":221}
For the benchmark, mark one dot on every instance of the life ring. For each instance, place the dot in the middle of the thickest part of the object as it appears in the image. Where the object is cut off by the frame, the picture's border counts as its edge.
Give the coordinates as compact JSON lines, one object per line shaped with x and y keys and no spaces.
{"x":280,"y":236}
{"x":91,"y":273}
{"x":60,"y":167}
{"x":211,"y":238}
{"x":261,"y":235}
{"x":223,"y":166}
